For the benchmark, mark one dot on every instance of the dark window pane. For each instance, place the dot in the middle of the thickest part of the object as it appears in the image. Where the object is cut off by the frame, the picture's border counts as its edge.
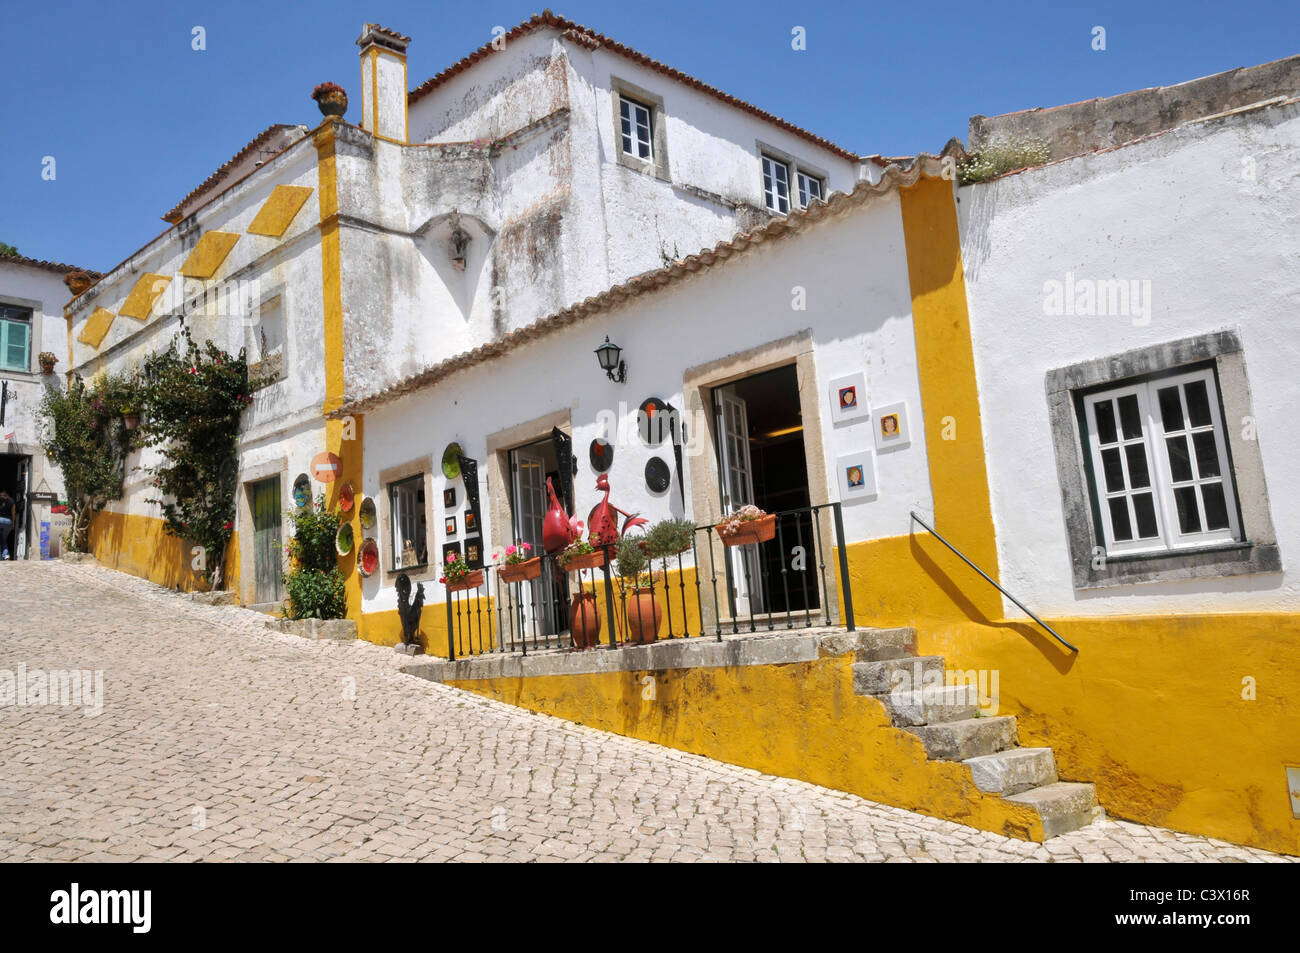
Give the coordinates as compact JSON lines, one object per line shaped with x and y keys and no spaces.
{"x":1145,"y":507}
{"x":1207,"y":454}
{"x":1137,"y":465}
{"x":1180,"y":465}
{"x":1198,"y":404}
{"x":1216,"y":507}
{"x":1105,"y":412}
{"x":1110,"y":462}
{"x":1189,"y":518}
{"x":1119,"y":519}
{"x":1130,"y":421}
{"x":1171,"y":411}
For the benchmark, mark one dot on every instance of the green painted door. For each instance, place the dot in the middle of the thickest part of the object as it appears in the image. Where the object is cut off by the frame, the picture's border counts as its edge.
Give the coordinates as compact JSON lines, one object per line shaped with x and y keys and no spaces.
{"x":267,"y":541}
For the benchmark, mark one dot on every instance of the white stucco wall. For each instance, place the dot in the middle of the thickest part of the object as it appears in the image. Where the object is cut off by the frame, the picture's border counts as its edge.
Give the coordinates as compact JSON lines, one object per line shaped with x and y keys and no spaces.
{"x":1209,"y":215}
{"x":859,"y":311}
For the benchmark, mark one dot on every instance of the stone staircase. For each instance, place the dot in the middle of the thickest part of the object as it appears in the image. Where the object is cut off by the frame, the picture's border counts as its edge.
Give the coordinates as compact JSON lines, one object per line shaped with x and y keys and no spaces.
{"x":948,"y":721}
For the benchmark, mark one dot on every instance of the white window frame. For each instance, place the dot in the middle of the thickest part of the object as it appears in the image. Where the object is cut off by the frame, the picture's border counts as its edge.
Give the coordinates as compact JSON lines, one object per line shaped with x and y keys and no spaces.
{"x":771,"y":196}
{"x":7,"y":326}
{"x":631,"y":142}
{"x":804,"y":179}
{"x":1169,"y":537}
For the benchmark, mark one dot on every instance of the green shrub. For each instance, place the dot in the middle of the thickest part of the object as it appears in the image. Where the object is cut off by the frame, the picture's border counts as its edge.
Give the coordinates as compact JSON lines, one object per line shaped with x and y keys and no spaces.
{"x":669,"y":537}
{"x":314,"y":583}
{"x":630,"y":552}
{"x":1002,"y":156}
{"x":316,"y":594}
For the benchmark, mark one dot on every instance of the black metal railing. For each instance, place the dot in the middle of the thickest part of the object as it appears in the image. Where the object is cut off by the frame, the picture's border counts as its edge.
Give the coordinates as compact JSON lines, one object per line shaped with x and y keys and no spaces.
{"x":708,"y":589}
{"x":989,"y":579}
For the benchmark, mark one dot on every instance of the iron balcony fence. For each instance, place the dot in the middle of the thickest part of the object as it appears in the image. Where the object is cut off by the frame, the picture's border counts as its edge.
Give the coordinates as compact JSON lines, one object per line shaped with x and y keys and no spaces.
{"x":794,"y":580}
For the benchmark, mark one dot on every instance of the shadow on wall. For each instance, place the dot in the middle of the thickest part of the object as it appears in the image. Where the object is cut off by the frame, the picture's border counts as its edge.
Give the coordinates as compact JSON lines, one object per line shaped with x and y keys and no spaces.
{"x":141,"y":546}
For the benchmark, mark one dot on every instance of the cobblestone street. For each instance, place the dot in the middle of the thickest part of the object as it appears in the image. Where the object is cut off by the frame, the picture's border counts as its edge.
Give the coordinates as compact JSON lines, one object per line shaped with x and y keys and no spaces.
{"x":222,"y":740}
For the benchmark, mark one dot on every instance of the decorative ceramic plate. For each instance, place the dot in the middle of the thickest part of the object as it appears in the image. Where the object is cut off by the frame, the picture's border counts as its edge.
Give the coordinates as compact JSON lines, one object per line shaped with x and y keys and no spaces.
{"x":652,"y":422}
{"x":302,"y":491}
{"x":601,"y":455}
{"x":343,"y":541}
{"x":657,"y":476}
{"x":368,"y":557}
{"x":367,"y":512}
{"x":451,"y":461}
{"x":346,"y":498}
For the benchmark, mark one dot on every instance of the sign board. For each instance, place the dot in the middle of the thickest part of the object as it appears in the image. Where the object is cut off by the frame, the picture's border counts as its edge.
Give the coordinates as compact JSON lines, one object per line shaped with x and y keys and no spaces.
{"x":326,"y":467}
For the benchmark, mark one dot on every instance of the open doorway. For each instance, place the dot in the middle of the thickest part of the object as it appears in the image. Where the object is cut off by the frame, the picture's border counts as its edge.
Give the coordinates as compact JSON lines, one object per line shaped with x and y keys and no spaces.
{"x":13,"y":480}
{"x":762,"y":460}
{"x":546,"y":599}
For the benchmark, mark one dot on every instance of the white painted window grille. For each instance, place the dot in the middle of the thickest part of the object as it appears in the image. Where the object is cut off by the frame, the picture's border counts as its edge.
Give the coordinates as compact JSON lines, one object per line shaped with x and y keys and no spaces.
{"x":776,"y":184}
{"x":409,"y":524}
{"x":1161,"y":477}
{"x":810,"y":189}
{"x":635,"y":122}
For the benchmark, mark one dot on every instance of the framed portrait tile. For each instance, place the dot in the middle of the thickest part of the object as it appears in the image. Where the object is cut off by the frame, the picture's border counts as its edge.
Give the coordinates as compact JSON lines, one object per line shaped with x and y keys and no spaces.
{"x":450,"y":526}
{"x":892,"y":427}
{"x":449,"y":496}
{"x":856,"y":473}
{"x":848,"y":397}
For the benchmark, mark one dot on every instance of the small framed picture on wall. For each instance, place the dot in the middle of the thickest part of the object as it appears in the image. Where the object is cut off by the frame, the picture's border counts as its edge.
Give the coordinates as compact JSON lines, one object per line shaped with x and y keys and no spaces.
{"x":449,"y":496}
{"x":473,"y":554}
{"x":448,"y":549}
{"x":471,"y":521}
{"x":892,"y":429}
{"x":848,"y":396}
{"x":857,"y":476}
{"x":450,"y":526}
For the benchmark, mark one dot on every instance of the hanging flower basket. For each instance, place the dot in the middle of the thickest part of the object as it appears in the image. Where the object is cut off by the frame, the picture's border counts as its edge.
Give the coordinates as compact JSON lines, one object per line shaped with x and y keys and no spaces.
{"x":48,"y":360}
{"x":471,"y":580}
{"x":585,"y":561}
{"x":748,"y":531}
{"x":131,"y":421}
{"x":521,"y":572}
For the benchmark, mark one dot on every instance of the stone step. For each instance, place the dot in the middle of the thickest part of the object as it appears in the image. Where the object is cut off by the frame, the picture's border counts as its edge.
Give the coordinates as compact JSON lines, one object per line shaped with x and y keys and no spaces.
{"x":968,"y":738}
{"x":1013,"y":770}
{"x":875,"y":645}
{"x":884,"y":676}
{"x":1064,"y":806}
{"x":933,"y":704}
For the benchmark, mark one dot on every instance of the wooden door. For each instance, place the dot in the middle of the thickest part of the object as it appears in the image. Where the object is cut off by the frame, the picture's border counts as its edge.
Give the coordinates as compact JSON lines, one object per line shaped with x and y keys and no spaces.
{"x":267,"y":541}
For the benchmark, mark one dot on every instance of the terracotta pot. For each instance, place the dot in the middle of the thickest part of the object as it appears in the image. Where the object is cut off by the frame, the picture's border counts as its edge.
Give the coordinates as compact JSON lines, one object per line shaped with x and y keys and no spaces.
{"x":471,"y":581}
{"x":131,"y":420}
{"x":77,"y":282}
{"x":643,"y":616}
{"x":47,"y":367}
{"x":333,"y":103}
{"x":521,"y":572}
{"x":754,"y":531}
{"x":584,"y":620}
{"x":589,"y":561}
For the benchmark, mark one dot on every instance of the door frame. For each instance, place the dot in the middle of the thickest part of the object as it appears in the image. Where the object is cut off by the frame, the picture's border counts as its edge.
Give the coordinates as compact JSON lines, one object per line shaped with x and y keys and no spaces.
{"x":704,"y":473}
{"x":247,"y":586}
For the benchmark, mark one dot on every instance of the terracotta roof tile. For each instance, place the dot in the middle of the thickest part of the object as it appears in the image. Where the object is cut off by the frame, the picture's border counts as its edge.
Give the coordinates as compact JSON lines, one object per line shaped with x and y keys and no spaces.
{"x":894,"y":177}
{"x":592,"y":40}
{"x":55,"y":266}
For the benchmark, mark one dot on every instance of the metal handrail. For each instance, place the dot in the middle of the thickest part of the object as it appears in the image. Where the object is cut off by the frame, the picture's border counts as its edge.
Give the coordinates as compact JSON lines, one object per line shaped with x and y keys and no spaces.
{"x":992,"y":582}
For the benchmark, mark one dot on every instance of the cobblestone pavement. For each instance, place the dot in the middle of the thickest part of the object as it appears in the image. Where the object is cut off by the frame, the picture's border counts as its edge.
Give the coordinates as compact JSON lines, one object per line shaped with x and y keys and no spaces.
{"x":222,"y":740}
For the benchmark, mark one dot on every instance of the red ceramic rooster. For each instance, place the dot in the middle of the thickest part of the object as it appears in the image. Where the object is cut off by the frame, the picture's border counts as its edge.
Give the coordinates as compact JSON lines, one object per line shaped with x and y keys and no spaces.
{"x":603,"y":519}
{"x":559,"y":529}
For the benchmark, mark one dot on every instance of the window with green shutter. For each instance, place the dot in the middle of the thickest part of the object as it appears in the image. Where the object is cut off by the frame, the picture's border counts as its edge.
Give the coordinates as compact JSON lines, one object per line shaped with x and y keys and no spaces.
{"x":15,"y":338}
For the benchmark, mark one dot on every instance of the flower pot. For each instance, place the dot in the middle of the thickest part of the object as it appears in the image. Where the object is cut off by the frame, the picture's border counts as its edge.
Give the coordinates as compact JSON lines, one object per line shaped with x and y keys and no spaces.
{"x":521,"y":572}
{"x":77,"y":281}
{"x":332,"y":103}
{"x":753,"y":531}
{"x":586,"y":561}
{"x":47,"y":367}
{"x":584,"y":620}
{"x":643,"y":616}
{"x":471,"y":580}
{"x":131,"y":420}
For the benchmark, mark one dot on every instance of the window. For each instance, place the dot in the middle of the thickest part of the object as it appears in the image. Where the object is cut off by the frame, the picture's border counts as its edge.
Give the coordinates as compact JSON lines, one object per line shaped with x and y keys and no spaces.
{"x":15,"y":338}
{"x":776,"y":184}
{"x":810,"y":189}
{"x":410,"y":538}
{"x":1160,"y":474}
{"x":634,"y":120}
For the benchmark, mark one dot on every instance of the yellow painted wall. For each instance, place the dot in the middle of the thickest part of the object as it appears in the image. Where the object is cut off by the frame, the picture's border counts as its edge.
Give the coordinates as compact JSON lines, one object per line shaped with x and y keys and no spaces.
{"x":800,"y":720}
{"x":141,"y":546}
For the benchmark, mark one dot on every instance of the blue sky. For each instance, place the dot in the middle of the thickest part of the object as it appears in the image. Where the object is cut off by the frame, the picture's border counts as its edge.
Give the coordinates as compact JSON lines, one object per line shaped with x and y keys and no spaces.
{"x":135,"y":118}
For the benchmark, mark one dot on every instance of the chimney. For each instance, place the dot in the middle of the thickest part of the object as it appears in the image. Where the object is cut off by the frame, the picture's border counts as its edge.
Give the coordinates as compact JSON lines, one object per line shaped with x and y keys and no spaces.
{"x":383,"y":82}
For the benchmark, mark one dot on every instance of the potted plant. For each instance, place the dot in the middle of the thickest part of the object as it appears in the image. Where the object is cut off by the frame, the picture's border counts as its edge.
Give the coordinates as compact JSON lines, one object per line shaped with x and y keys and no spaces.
{"x":78,"y":281}
{"x":48,"y":359}
{"x":518,"y":565}
{"x":457,"y":576}
{"x":746,"y":525}
{"x":580,"y":554}
{"x":636,"y":575}
{"x":669,"y":537}
{"x":331,"y":99}
{"x":130,"y":415}
{"x":584,"y":619}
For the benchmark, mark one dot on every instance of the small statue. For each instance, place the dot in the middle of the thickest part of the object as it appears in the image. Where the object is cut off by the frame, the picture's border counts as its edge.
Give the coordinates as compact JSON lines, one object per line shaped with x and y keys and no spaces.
{"x":407,"y":611}
{"x":603,"y":519}
{"x":559,"y":529}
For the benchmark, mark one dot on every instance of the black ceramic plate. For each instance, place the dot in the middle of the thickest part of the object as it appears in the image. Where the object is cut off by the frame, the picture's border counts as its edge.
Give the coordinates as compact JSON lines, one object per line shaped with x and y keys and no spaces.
{"x":657,"y":476}
{"x":601,"y":455}
{"x":652,"y":422}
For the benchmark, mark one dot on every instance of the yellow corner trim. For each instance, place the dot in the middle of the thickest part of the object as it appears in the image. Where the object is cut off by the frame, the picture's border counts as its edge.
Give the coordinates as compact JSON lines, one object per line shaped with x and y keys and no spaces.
{"x":208,"y":254}
{"x":278,"y":211}
{"x":139,"y":303}
{"x":97,"y":326}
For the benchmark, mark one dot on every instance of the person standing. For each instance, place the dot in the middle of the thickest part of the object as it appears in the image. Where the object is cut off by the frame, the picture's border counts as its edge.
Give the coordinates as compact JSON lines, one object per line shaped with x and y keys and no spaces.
{"x":6,"y":522}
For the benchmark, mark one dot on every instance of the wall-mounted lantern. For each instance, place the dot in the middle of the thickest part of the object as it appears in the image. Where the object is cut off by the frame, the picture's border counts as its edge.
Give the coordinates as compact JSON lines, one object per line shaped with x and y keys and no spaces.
{"x":460,"y":240}
{"x":608,"y":355}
